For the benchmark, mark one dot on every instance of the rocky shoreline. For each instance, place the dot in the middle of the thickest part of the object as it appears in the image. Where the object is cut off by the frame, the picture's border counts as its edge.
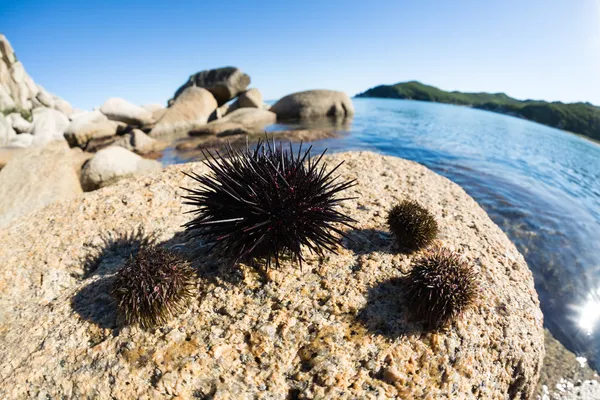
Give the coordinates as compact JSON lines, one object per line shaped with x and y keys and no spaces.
{"x":327,"y":331}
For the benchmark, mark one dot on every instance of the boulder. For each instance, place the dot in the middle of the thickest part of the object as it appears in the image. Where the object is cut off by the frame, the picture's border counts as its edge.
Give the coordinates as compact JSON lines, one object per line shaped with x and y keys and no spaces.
{"x":6,"y":131}
{"x":88,"y":126}
{"x":256,"y":118}
{"x":153,"y":107}
{"x":144,"y":144}
{"x":34,"y":179}
{"x":192,"y":108}
{"x":313,"y":104}
{"x":17,"y":89}
{"x":138,"y":142}
{"x":250,"y":98}
{"x":219,"y":136}
{"x":111,"y":164}
{"x":117,"y":109}
{"x":19,"y":124}
{"x":45,"y":98}
{"x":224,"y":83}
{"x":22,"y":140}
{"x":63,"y":106}
{"x":335,"y":329}
{"x":8,"y":153}
{"x":221,"y":129}
{"x":49,"y":124}
{"x":79,"y":158}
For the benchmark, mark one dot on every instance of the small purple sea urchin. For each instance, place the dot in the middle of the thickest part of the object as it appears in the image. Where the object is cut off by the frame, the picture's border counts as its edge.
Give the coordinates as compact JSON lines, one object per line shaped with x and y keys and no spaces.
{"x":412,"y":224}
{"x":440,"y":286}
{"x":153,"y":286}
{"x":266,"y":203}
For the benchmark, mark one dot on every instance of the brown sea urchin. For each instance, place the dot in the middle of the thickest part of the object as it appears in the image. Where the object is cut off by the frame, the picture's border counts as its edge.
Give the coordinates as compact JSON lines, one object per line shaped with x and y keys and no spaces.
{"x":440,"y":286}
{"x":153,"y":286}
{"x":412,"y":224}
{"x":266,"y":203}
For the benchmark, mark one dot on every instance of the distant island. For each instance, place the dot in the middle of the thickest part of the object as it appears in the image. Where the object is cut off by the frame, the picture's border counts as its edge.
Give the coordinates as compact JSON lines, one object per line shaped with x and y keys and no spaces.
{"x":581,"y":118}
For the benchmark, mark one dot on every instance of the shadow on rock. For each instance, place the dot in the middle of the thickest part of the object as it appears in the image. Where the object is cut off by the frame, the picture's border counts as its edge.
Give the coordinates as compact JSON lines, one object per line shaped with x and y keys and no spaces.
{"x":385,"y":313}
{"x":364,"y":241}
{"x":211,"y":265}
{"x":114,"y":250}
{"x":94,"y":304}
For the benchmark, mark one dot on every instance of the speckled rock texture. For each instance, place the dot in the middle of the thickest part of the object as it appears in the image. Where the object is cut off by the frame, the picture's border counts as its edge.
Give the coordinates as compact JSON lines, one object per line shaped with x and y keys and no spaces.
{"x":337,"y":329}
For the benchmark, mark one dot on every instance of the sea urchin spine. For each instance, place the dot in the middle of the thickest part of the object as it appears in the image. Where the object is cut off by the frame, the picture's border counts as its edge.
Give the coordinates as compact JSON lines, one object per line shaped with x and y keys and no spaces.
{"x":153,"y":286}
{"x":440,"y":286}
{"x":412,"y":224}
{"x":266,"y":203}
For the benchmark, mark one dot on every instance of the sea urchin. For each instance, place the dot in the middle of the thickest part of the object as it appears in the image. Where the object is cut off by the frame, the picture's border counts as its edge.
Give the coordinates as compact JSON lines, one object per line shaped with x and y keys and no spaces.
{"x":266,"y":203}
{"x":412,"y":224}
{"x":440,"y":286}
{"x":153,"y":286}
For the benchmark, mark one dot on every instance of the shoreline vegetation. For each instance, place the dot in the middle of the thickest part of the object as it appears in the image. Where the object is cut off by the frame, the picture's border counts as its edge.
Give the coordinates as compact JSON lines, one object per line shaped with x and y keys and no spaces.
{"x":578,"y":118}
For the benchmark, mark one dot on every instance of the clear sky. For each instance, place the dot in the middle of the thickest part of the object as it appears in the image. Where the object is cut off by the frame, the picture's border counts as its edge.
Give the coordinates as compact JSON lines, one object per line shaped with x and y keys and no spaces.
{"x":86,"y":51}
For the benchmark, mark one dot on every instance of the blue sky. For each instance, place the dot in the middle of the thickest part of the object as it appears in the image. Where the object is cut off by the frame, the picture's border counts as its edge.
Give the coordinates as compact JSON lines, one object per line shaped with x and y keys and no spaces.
{"x":87,"y":51}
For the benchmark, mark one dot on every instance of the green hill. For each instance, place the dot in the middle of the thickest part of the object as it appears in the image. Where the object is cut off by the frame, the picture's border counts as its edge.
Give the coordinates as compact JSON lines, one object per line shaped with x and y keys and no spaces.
{"x":581,"y":118}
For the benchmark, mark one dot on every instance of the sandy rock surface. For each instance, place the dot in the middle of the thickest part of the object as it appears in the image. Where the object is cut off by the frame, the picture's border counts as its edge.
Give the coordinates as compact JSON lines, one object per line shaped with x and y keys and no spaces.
{"x":337,"y":329}
{"x":34,"y":179}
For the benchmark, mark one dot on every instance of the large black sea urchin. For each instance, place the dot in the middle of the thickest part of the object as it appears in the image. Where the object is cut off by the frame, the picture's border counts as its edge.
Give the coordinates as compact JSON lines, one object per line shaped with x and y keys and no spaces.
{"x":153,"y":286}
{"x":412,"y":224}
{"x":440,"y":286}
{"x":267,"y":203}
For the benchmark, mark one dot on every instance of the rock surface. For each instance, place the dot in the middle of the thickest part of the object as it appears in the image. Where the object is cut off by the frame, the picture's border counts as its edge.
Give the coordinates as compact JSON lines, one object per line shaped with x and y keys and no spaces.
{"x":335,"y":329}
{"x":224,"y":83}
{"x":218,"y":128}
{"x":251,"y":117}
{"x":23,"y":140}
{"x":192,"y":108}
{"x":35,"y":179}
{"x":117,"y":109}
{"x":111,"y":164}
{"x":88,"y":126}
{"x":137,"y":141}
{"x":49,"y":124}
{"x":19,"y":124}
{"x":313,"y":104}
{"x":7,"y":133}
{"x":18,"y":90}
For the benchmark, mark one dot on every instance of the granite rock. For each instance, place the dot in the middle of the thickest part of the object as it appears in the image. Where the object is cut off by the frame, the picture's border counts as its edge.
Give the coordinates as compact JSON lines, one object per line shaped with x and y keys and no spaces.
{"x":313,"y":104}
{"x":36,"y":178}
{"x":111,"y":164}
{"x":338,"y":328}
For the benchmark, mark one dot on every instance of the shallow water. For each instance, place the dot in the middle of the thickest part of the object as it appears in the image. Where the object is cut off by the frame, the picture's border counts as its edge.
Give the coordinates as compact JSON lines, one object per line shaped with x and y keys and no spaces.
{"x":540,"y":185}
